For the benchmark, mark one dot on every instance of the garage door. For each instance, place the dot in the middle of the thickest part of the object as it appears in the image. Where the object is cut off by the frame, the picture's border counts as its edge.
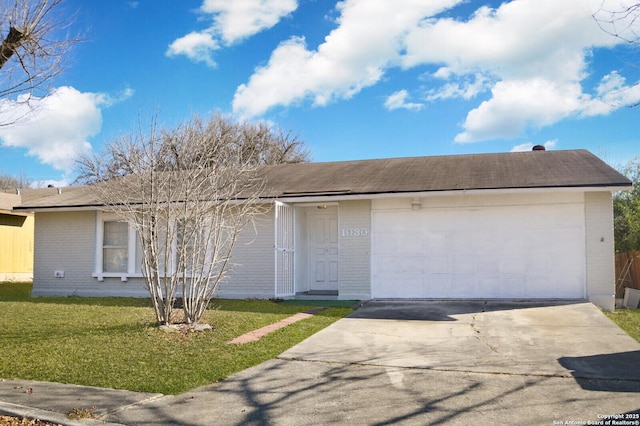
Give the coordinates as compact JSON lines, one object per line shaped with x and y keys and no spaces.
{"x":494,"y":252}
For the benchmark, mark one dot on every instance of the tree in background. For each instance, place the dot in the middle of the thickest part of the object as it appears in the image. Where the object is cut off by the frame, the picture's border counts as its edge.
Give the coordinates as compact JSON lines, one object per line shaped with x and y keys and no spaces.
{"x":252,"y":143}
{"x":626,"y":211}
{"x":33,"y":46}
{"x":9,"y":183}
{"x":187,"y":193}
{"x":622,"y":21}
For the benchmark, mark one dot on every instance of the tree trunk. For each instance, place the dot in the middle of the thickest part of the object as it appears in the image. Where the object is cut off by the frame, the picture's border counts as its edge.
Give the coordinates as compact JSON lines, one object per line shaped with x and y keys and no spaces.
{"x":10,"y":45}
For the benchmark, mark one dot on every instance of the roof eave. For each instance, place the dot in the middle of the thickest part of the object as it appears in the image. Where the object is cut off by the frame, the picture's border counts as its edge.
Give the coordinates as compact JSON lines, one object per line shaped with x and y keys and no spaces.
{"x":452,"y":192}
{"x":82,"y":207}
{"x":14,"y":213}
{"x":344,"y":196}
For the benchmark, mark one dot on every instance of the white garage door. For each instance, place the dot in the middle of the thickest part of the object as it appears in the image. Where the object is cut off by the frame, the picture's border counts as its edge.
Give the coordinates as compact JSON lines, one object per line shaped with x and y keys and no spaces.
{"x":488,"y":252}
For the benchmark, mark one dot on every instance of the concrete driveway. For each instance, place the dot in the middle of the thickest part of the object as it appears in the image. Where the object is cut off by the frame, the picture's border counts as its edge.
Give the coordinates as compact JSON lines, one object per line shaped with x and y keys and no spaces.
{"x":428,"y":363}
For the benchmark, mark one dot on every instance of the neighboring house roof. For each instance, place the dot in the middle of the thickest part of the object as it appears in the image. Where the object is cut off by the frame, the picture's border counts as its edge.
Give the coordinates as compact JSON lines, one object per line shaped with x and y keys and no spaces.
{"x":8,"y":202}
{"x":517,"y":170}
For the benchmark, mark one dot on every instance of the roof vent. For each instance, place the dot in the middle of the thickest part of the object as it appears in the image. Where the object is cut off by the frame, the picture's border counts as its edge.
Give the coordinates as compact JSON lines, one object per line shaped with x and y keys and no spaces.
{"x":539,"y":148}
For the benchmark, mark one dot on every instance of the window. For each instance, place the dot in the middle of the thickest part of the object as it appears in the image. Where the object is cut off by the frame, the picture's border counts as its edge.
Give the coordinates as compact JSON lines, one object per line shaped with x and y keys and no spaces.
{"x":115,"y":247}
{"x":119,"y":252}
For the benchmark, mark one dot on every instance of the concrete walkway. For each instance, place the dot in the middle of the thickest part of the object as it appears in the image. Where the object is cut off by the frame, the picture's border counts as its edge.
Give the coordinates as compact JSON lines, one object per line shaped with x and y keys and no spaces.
{"x":422,"y":363}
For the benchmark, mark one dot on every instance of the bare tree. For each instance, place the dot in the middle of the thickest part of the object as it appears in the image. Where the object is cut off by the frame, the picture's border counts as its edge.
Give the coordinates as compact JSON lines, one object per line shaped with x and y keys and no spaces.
{"x":12,"y":183}
{"x":33,"y":46}
{"x":252,"y":143}
{"x":259,"y":144}
{"x":621,"y":22}
{"x":187,"y":209}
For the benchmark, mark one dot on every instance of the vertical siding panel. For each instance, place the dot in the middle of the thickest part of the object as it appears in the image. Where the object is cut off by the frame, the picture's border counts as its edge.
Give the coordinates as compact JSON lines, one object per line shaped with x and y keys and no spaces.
{"x":600,"y":249}
{"x":25,"y":242}
{"x":16,"y":247}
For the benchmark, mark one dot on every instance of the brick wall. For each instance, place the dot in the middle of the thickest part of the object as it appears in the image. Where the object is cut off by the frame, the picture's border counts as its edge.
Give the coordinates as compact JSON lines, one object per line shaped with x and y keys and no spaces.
{"x":252,"y":273}
{"x":355,"y":249}
{"x":65,"y":241}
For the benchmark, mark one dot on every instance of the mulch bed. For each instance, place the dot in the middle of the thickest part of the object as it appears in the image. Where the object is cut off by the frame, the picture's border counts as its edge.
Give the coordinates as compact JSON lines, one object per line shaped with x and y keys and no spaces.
{"x":22,"y":421}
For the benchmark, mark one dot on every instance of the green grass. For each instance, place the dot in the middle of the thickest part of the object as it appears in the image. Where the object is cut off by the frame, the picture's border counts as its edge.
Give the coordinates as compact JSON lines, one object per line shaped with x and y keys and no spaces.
{"x":628,"y":320}
{"x":114,"y":342}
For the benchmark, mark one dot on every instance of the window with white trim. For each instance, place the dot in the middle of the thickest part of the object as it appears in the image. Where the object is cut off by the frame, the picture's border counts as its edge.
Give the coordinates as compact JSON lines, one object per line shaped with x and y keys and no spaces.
{"x":117,"y":249}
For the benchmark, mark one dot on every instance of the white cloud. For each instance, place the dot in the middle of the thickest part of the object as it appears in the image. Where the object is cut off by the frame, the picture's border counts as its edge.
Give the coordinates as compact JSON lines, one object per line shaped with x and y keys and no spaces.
{"x":529,"y":146}
{"x":233,"y":21}
{"x":465,"y":88}
{"x":236,"y":20}
{"x":57,"y":183}
{"x":612,"y":93}
{"x":536,"y":53}
{"x":519,"y":39}
{"x":518,"y":105}
{"x":197,"y":46}
{"x":398,"y":100}
{"x":530,"y":57}
{"x":55,"y":128}
{"x":352,"y":57}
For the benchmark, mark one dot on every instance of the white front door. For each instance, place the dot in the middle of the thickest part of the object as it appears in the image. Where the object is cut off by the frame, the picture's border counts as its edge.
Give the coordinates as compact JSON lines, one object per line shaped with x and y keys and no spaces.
{"x":323,"y":249}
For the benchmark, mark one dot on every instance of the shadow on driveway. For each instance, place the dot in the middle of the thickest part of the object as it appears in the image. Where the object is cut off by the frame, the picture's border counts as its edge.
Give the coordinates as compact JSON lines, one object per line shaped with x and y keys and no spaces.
{"x":616,"y":372}
{"x":445,"y":310}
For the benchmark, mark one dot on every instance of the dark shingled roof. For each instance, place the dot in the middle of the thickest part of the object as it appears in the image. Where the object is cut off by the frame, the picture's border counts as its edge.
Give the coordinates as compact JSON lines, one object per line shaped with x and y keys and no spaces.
{"x":533,"y":169}
{"x":516,"y":170}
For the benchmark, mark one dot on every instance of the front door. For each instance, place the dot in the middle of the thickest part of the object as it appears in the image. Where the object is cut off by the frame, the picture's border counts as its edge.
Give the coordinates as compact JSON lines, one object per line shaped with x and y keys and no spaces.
{"x":323,"y":249}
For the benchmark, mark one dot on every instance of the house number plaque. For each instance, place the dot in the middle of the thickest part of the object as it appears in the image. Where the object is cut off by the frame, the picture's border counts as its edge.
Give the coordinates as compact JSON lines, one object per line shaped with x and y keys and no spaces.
{"x":355,"y":232}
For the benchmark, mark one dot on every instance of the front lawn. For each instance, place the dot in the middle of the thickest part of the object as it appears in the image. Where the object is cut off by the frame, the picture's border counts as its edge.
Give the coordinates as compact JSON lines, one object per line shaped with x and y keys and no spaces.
{"x":114,"y":342}
{"x":628,"y":320}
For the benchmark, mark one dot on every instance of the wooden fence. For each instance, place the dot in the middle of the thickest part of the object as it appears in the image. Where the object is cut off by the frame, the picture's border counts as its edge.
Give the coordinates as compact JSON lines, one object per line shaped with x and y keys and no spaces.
{"x":627,"y":271}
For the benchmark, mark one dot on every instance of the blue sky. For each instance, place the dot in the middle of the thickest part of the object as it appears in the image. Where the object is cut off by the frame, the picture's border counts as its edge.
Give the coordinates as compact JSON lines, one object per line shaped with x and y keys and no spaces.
{"x":354,"y":79}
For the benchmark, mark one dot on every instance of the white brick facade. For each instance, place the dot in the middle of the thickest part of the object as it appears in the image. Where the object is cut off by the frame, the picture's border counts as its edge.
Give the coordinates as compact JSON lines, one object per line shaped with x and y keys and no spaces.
{"x":354,"y":234}
{"x":65,"y":242}
{"x":252,"y":266}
